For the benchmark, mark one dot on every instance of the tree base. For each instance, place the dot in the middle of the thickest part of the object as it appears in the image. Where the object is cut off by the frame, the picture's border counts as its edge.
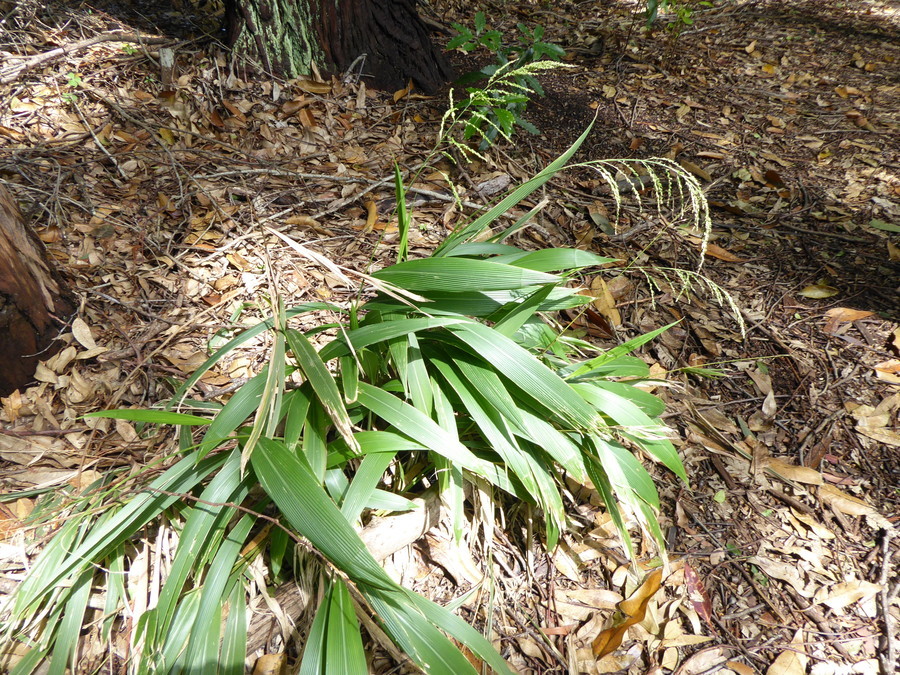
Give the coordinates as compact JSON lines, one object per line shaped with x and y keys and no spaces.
{"x":287,"y":36}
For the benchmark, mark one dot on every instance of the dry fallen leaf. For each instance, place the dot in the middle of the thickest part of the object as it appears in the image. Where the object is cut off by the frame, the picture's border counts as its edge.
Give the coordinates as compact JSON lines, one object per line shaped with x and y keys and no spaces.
{"x":818,"y":291}
{"x":270,"y":664}
{"x":846,"y":593}
{"x":849,"y":505}
{"x":630,"y":612}
{"x":843,"y":315}
{"x":82,"y":333}
{"x":716,"y":251}
{"x":791,"y":661}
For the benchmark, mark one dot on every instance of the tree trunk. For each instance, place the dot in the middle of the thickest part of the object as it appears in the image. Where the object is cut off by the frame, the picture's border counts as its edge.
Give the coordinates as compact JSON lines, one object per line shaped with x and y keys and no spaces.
{"x":288,"y":37}
{"x":31,"y":299}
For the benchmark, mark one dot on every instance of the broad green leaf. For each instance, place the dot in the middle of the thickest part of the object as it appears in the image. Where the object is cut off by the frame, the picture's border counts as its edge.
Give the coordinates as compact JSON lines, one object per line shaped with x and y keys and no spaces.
{"x":554,"y":259}
{"x":349,"y":377}
{"x":534,"y":378}
{"x":557,"y":445}
{"x":203,"y":644}
{"x":415,"y":376}
{"x":663,"y":450}
{"x":234,"y":641}
{"x":304,"y":504}
{"x":600,"y":479}
{"x":202,"y":523}
{"x":477,"y":304}
{"x":381,"y":332}
{"x":509,"y":319}
{"x":419,"y":427}
{"x":419,"y":639}
{"x":296,"y":408}
{"x":364,"y":482}
{"x":267,"y":417}
{"x":460,"y":275}
{"x":483,"y":248}
{"x":344,"y":653}
{"x":619,"y":409}
{"x":322,"y":382}
{"x":622,"y":366}
{"x":633,"y":475}
{"x":461,"y":631}
{"x":499,"y":436}
{"x":480,"y":376}
{"x":650,"y":404}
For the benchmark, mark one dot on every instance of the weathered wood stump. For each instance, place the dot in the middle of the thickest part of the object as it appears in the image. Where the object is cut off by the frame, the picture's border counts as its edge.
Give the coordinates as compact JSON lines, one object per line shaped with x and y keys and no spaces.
{"x":33,"y":301}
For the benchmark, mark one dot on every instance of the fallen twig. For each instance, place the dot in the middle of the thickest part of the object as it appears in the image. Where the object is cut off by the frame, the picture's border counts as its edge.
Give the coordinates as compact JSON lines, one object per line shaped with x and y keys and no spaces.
{"x":11,"y":72}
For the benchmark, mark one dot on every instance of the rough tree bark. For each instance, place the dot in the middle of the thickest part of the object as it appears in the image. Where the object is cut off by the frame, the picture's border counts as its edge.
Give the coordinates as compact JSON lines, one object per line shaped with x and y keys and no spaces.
{"x":288,"y":37}
{"x":32,"y":299}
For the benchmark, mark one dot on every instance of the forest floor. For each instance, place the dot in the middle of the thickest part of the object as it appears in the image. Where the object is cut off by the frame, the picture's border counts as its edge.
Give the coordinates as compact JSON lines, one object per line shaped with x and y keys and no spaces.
{"x":154,"y":199}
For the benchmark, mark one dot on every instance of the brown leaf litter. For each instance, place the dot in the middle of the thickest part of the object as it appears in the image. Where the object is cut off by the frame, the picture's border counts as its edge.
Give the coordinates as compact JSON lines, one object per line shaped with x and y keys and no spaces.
{"x":156,"y":201}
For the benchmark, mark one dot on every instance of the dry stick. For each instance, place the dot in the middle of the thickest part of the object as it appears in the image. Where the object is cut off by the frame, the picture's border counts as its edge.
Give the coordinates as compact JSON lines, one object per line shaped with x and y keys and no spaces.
{"x":12,"y":72}
{"x":887,"y":655}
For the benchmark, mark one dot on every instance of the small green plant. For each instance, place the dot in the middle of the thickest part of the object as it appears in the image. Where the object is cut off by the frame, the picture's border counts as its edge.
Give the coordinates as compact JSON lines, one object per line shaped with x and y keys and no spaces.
{"x":129,"y":49}
{"x":74,"y":80}
{"x":682,"y":9}
{"x":451,"y":373}
{"x":496,"y":107}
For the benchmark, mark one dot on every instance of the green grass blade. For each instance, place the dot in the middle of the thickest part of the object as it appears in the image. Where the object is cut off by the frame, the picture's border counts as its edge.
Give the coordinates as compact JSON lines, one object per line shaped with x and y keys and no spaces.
{"x":151,"y":417}
{"x":69,"y":630}
{"x":480,"y":224}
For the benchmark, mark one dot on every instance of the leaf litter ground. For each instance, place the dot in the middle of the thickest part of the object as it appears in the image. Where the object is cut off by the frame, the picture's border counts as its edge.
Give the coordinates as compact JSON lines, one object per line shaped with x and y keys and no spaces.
{"x":154,"y":197}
